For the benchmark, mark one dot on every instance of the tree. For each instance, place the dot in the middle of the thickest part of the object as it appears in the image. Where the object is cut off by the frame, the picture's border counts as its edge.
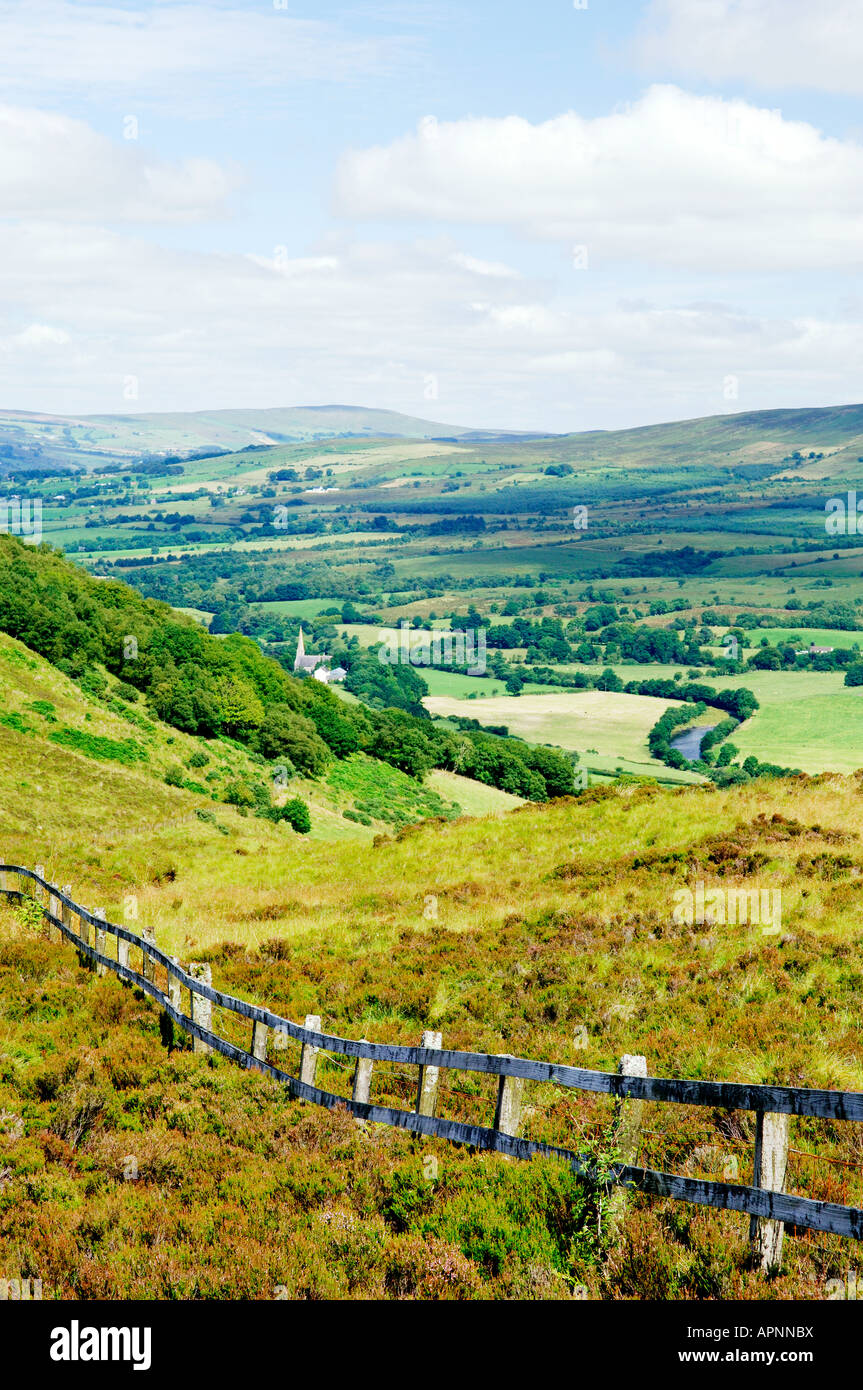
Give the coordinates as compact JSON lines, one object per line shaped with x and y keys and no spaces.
{"x":241,"y":708}
{"x":403,"y":747}
{"x":286,"y":734}
{"x":296,"y":813}
{"x":336,"y":732}
{"x":171,"y":701}
{"x":556,"y":769}
{"x":609,"y":680}
{"x":854,"y":673}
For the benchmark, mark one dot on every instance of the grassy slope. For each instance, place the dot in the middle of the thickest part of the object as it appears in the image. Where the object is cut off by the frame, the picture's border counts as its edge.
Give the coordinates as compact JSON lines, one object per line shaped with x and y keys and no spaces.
{"x":546,"y":932}
{"x":474,"y":798}
{"x":72,"y":806}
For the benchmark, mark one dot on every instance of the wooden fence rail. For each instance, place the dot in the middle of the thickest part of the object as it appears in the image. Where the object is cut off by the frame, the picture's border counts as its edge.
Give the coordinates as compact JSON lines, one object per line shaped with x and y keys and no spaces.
{"x":769,"y":1208}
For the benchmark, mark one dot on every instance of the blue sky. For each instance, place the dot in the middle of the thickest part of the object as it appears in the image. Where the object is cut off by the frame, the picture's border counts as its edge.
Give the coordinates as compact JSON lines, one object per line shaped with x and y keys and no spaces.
{"x":552,"y":217}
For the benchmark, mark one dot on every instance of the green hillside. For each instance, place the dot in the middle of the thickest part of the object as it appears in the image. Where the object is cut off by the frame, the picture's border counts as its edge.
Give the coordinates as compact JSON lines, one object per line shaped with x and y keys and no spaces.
{"x":548,"y":932}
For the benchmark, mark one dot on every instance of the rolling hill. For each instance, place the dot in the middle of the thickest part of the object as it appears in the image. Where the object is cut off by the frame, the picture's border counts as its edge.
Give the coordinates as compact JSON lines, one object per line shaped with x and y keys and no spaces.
{"x":87,"y":441}
{"x":758,"y":437}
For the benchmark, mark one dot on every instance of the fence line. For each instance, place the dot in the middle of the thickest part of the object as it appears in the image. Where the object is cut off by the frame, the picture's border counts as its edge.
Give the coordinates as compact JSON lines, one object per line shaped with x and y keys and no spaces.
{"x":767,"y":1205}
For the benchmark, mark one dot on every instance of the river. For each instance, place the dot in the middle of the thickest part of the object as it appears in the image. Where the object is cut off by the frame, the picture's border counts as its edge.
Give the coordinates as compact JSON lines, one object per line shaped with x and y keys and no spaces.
{"x":689,"y":742}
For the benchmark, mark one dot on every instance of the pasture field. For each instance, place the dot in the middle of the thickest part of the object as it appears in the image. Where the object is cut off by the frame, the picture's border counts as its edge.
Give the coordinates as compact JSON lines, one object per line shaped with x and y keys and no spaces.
{"x":612,"y":725}
{"x":297,"y":608}
{"x":453,"y":684}
{"x":806,"y":719}
{"x":801,"y":637}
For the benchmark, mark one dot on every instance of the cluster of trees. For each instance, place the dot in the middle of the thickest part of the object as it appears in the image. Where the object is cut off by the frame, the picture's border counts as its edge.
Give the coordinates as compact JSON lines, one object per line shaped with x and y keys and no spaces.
{"x":385,"y":687}
{"x":659,"y":738}
{"x":415,"y":747}
{"x":787,"y":658}
{"x":544,"y":640}
{"x":722,"y":769}
{"x":740,"y":703}
{"x":835,"y":616}
{"x":646,"y":644}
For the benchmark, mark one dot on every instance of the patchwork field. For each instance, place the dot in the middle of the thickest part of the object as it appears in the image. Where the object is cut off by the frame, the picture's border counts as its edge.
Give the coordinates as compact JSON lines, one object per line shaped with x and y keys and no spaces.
{"x":612,"y":725}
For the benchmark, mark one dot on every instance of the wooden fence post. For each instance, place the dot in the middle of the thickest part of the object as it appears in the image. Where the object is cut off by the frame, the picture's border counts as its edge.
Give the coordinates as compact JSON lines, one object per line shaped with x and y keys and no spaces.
{"x":174,"y":988}
{"x":101,"y":945}
{"x":54,"y":908}
{"x":84,"y":934}
{"x":429,"y":1081}
{"x":123,"y":954}
{"x":309,"y":1054}
{"x":43,"y":898}
{"x":510,"y":1090}
{"x":259,"y":1041}
{"x":166,"y":1023}
{"x":362,"y":1087}
{"x":66,"y":912}
{"x":148,"y":938}
{"x":629,"y":1117}
{"x":202,"y":1009}
{"x":771,"y":1161}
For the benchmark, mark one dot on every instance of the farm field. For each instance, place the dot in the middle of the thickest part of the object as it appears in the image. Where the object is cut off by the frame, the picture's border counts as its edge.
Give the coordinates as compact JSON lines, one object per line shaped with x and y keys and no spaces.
{"x":419,"y":528}
{"x":451,"y":683}
{"x":803,"y":636}
{"x":806,"y":719}
{"x":612,"y":725}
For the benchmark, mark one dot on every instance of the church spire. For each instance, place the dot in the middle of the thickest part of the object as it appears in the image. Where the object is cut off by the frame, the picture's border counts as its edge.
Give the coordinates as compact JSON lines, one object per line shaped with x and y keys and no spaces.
{"x":301,"y":650}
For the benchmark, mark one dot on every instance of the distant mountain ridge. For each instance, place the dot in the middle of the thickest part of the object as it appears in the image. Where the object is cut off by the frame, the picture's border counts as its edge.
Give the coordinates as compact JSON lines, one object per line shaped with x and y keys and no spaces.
{"x":30,"y":439}
{"x":42,"y":440}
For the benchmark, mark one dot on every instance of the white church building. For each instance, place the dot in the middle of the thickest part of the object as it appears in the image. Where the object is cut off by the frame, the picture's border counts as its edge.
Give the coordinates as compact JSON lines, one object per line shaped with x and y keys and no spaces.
{"x":316,"y":665}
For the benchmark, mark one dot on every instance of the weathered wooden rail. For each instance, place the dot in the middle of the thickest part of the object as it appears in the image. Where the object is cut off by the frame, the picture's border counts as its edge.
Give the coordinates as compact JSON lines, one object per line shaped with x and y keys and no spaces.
{"x":769,"y":1208}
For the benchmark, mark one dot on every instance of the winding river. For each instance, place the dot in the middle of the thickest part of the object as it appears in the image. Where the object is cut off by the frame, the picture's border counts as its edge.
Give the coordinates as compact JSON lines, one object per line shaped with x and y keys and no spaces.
{"x":689,"y":742}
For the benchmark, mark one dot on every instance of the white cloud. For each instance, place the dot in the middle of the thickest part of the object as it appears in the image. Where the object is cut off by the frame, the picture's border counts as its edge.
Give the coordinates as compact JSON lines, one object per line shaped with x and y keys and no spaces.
{"x":770,"y":43}
{"x":55,"y":167}
{"x":36,"y":337}
{"x":177,"y":49}
{"x":674,"y":179}
{"x":368,"y":324}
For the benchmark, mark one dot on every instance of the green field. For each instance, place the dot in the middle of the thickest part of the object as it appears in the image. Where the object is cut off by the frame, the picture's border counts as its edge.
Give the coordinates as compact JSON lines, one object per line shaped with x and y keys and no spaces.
{"x":806,"y":719}
{"x":443,"y":682}
{"x":611,"y":725}
{"x":473,"y":798}
{"x":298,"y":608}
{"x":802,"y":637}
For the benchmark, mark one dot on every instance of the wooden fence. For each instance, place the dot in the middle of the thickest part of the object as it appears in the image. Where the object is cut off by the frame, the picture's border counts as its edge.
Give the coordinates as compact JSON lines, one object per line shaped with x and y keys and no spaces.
{"x":769,"y":1208}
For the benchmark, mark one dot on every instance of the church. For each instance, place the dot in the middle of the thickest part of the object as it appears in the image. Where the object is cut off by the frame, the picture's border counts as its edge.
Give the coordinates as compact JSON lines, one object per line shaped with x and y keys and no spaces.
{"x":316,"y":665}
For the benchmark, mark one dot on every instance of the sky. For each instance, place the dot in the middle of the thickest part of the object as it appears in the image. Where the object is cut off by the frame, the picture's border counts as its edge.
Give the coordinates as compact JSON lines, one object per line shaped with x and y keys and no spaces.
{"x":559,"y":216}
